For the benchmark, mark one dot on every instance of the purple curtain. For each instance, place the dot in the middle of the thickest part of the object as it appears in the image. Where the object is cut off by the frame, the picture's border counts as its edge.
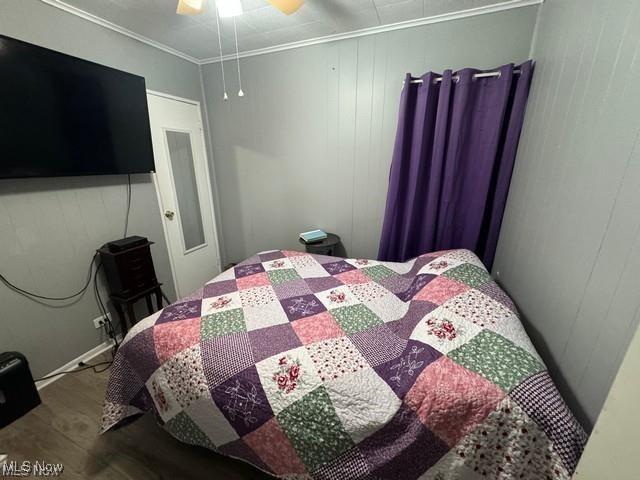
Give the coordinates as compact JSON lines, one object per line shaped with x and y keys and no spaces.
{"x":452,"y":162}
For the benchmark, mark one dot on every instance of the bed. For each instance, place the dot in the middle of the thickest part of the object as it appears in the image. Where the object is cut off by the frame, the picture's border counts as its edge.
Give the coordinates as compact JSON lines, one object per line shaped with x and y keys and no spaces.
{"x":317,"y":367}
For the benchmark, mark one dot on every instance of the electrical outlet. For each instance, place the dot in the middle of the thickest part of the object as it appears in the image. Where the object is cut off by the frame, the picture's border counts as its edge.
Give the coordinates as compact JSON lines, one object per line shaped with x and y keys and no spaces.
{"x":98,"y":322}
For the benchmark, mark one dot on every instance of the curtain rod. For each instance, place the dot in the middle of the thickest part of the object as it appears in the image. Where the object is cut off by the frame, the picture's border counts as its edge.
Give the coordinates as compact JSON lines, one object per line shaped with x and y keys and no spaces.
{"x":477,"y":75}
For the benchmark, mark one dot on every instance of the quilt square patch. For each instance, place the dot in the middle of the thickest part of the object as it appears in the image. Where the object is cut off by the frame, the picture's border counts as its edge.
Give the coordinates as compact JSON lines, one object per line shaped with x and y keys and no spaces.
{"x":337,"y":297}
{"x":171,"y":338}
{"x":246,"y":270}
{"x":140,"y":351}
{"x":294,"y":288}
{"x":294,"y":253}
{"x":406,"y":457}
{"x":378,"y":272}
{"x":444,"y":331}
{"x":361,"y":262}
{"x":396,"y":284}
{"x":476,"y":307}
{"x":264,"y":316}
{"x":165,"y":402}
{"x":418,"y":283}
{"x":179,"y":311}
{"x":308,"y":267}
{"x":378,"y":344}
{"x":228,"y":301}
{"x":355,"y":318}
{"x":281,"y":276}
{"x":335,"y":358}
{"x":303,"y":306}
{"x":316,"y":328}
{"x":348,"y":464}
{"x":444,"y":387}
{"x":404,"y":327}
{"x":469,"y":274}
{"x":353,"y":397}
{"x":185,"y":430}
{"x":240,"y":450}
{"x":497,"y":359}
{"x":242,"y":401}
{"x":269,"y":341}
{"x":439,"y":265}
{"x":258,"y":280}
{"x":353,"y":277}
{"x":258,"y":296}
{"x":440,"y":289}
{"x":388,"y":307}
{"x":223,"y":323}
{"x":206,"y":414}
{"x":299,"y":423}
{"x":464,"y":256}
{"x":402,"y":372}
{"x":273,"y":255}
{"x":271,"y":444}
{"x":277,"y":264}
{"x":185,"y":376}
{"x":215,"y":289}
{"x":223,"y":357}
{"x":340,"y":266}
{"x":366,"y":292}
{"x":287,"y":377}
{"x":493,"y":291}
{"x":320,"y":284}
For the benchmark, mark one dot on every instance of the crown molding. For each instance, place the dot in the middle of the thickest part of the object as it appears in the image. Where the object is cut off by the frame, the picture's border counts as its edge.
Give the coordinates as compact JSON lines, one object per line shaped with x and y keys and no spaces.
{"x":472,"y":12}
{"x":117,"y":28}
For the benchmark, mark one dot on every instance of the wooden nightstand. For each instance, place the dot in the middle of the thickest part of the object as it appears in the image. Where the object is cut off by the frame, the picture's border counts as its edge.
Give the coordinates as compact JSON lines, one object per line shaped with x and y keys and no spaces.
{"x":324,"y":247}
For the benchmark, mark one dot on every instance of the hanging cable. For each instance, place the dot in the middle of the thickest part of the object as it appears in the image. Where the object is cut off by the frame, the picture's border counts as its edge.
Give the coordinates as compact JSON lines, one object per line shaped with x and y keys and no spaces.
{"x":235,"y":31}
{"x":224,"y":83}
{"x":126,"y":220}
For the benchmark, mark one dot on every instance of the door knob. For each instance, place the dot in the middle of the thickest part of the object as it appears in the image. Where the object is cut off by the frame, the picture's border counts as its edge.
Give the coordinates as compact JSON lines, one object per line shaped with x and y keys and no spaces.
{"x":169,"y":214}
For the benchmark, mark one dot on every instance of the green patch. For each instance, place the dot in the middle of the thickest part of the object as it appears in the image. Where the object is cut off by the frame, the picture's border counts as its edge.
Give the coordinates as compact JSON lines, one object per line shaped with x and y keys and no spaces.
{"x":281,"y":276}
{"x":222,"y":323}
{"x":378,"y":272}
{"x":497,"y":359}
{"x":355,"y":318}
{"x":184,"y":429}
{"x":469,"y":274}
{"x":314,"y":429}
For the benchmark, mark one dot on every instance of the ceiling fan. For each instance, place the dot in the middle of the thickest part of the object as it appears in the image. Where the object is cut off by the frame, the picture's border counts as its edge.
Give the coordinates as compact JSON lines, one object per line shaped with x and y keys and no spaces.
{"x":231,"y":8}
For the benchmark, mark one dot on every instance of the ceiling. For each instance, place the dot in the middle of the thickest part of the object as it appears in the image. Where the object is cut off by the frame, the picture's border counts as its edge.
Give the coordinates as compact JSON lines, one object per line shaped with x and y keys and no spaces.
{"x":261,"y":25}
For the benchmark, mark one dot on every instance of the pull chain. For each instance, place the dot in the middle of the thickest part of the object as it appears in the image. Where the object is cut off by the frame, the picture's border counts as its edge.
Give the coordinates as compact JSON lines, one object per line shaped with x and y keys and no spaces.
{"x":224,"y":83}
{"x":235,"y":31}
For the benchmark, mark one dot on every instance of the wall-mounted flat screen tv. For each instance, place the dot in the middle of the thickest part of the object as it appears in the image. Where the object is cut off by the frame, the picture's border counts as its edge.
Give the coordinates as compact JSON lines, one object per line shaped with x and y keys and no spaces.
{"x":63,"y":116}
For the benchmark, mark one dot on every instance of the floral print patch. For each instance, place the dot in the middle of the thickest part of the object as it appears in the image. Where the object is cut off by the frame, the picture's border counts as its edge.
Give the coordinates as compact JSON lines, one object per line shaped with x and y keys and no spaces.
{"x":288,"y":375}
{"x":378,"y":272}
{"x":474,"y":306}
{"x":355,"y":318}
{"x":469,"y":274}
{"x":223,"y":323}
{"x":336,"y":357}
{"x":280,"y":276}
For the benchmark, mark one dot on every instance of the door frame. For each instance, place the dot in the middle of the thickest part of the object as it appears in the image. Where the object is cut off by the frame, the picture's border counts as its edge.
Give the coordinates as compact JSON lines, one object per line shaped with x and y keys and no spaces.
{"x":208,"y":172}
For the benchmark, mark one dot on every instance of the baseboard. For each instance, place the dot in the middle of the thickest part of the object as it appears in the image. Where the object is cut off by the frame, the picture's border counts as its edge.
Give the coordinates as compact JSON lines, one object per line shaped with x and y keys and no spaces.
{"x":73,"y":364}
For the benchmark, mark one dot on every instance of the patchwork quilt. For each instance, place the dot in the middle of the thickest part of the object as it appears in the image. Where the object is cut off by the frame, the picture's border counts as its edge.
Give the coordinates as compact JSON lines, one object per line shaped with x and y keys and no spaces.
{"x":314,"y":367}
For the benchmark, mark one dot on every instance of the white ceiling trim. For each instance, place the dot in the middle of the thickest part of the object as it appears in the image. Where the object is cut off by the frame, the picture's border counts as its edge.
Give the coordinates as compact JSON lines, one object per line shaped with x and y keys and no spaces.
{"x":472,"y":12}
{"x":117,"y":28}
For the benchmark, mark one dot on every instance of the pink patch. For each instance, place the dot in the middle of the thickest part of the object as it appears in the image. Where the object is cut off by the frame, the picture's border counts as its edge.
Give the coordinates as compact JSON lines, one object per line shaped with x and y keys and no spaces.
{"x":352,"y":277}
{"x":440,"y":289}
{"x":451,"y":400}
{"x":291,"y":253}
{"x":274,"y":448}
{"x":317,"y":327}
{"x":173,"y":337}
{"x":257,"y":280}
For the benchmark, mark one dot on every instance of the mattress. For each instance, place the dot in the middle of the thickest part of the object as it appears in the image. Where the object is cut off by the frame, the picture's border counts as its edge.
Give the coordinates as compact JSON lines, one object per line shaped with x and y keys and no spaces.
{"x":316,"y":367}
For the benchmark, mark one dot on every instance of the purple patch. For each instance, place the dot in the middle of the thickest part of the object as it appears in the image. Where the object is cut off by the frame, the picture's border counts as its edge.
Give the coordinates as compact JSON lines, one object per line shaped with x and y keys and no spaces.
{"x":267,"y":257}
{"x":270,"y":341}
{"x":378,"y":344}
{"x":402,"y":372}
{"x":418,"y":284}
{"x":124,"y":383}
{"x":491,"y":289}
{"x":322,"y":283}
{"x":246,"y":270}
{"x":223,"y":357}
{"x":249,"y":261}
{"x":294,"y":288}
{"x":142,"y":400}
{"x":239,"y":449}
{"x":396,"y":283}
{"x":216,"y":289}
{"x":335,"y":268}
{"x":242,"y":401}
{"x":403,"y":448}
{"x":180,"y":311}
{"x":303,"y":306}
{"x":403,"y":327}
{"x":322,"y":259}
{"x":140,"y":352}
{"x":418,"y":264}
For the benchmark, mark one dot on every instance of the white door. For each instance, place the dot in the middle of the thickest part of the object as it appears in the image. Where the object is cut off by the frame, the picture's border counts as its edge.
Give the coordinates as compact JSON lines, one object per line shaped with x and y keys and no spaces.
{"x":184,"y":191}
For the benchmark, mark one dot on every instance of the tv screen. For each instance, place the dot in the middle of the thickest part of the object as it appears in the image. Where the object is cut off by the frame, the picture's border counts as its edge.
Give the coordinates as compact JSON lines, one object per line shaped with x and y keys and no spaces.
{"x":62,"y":116}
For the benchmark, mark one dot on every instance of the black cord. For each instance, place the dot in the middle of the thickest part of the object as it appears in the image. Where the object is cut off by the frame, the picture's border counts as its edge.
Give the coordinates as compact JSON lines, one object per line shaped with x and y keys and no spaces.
{"x":22,"y":291}
{"x":82,"y":368}
{"x":111,"y":332}
{"x":126,"y":221}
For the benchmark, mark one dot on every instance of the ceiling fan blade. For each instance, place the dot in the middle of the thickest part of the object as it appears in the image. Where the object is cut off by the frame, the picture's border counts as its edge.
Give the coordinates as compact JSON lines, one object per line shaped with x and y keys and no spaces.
{"x":287,"y":6}
{"x":190,"y":7}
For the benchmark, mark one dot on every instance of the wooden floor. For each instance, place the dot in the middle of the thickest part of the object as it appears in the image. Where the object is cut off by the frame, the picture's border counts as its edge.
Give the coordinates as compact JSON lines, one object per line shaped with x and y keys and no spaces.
{"x":64,"y":430}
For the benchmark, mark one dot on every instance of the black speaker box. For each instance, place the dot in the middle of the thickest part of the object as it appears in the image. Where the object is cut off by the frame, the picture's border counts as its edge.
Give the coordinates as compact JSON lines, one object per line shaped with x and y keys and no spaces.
{"x":18,"y":393}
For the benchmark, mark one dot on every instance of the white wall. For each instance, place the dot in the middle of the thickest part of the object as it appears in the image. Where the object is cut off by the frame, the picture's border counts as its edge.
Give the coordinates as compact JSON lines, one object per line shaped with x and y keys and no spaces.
{"x":310,"y":144}
{"x":569,"y":252}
